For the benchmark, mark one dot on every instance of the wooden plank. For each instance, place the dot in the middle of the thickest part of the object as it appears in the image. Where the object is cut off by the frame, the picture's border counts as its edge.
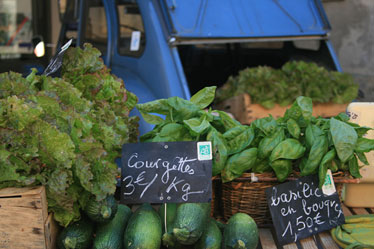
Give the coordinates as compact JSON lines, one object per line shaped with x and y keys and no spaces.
{"x":308,"y":243}
{"x":290,"y":246}
{"x":266,"y":239}
{"x":7,"y":192}
{"x":22,"y":220}
{"x":359,"y":211}
{"x":346,"y":211}
{"x":51,"y":229}
{"x":246,"y":112}
{"x":327,"y":241}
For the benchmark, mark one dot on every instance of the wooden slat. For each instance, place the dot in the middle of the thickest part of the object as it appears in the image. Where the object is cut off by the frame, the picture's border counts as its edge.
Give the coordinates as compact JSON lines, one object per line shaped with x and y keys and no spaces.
{"x":266,"y":239}
{"x":246,"y":112}
{"x":290,"y":246}
{"x":359,"y":211}
{"x":8,"y":192}
{"x":22,"y":220}
{"x":327,"y":241}
{"x":308,"y":243}
{"x":346,"y":211}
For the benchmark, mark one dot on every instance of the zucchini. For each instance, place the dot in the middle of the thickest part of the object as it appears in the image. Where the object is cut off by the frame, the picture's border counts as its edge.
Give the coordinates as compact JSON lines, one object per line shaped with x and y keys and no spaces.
{"x":190,"y":222}
{"x":240,"y":232}
{"x":101,"y":211}
{"x":144,"y":229}
{"x":110,"y":235}
{"x":77,"y":235}
{"x":211,"y":238}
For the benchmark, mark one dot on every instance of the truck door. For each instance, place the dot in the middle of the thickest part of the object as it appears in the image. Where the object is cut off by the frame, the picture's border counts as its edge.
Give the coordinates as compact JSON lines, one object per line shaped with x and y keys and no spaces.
{"x":94,"y":26}
{"x":86,"y":21}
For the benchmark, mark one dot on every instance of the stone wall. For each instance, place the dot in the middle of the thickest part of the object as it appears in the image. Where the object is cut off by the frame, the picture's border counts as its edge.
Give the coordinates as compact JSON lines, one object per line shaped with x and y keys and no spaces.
{"x":352,"y":36}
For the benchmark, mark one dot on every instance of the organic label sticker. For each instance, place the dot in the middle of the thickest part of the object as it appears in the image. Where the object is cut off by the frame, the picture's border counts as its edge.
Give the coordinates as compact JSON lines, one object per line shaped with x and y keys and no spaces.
{"x":135,"y":41}
{"x":328,"y":187}
{"x":204,"y":151}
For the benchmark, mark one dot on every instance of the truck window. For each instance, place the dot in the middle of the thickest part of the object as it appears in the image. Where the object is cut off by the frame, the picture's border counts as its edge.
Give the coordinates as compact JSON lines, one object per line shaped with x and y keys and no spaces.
{"x":131,"y":30}
{"x":15,"y":28}
{"x":96,"y":30}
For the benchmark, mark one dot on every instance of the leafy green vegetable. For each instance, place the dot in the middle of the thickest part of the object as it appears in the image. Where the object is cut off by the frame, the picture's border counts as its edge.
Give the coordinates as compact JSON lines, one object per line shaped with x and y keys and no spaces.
{"x":318,"y":150}
{"x":65,"y":133}
{"x":353,"y":167}
{"x":268,"y":143}
{"x":219,"y":150}
{"x":344,"y":137}
{"x":268,"y":86}
{"x":239,"y":163}
{"x":293,"y":128}
{"x":364,"y":145}
{"x":282,"y":168}
{"x":325,"y":164}
{"x":238,"y":138}
{"x":289,"y":148}
{"x":204,"y":97}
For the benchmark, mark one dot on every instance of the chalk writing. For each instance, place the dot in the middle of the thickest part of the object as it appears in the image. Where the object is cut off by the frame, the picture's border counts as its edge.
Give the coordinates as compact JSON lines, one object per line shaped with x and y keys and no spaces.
{"x":152,"y":171}
{"x":299,"y":209}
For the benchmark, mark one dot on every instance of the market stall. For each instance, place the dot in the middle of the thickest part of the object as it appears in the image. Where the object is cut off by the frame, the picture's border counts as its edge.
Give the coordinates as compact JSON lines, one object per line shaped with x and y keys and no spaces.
{"x":198,"y":179}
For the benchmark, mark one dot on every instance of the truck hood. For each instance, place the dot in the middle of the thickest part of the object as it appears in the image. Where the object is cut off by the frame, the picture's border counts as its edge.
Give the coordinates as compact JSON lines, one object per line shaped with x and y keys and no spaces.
{"x":245,"y":18}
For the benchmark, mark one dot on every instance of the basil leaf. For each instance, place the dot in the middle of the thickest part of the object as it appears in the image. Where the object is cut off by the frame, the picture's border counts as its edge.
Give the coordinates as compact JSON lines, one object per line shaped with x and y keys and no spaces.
{"x":364,"y":145}
{"x":287,"y":149}
{"x":361,"y":131}
{"x":261,"y":166}
{"x":151,"y":119}
{"x":182,"y":109}
{"x":267,"y":125}
{"x":197,"y":126}
{"x":353,"y":167}
{"x":362,"y":158}
{"x":312,"y":132}
{"x":282,"y":168}
{"x":344,"y":137}
{"x":318,"y":150}
{"x":293,"y":128}
{"x":159,"y":106}
{"x":239,"y":163}
{"x":238,"y":138}
{"x":219,"y":150}
{"x":324,"y":165}
{"x":301,"y":111}
{"x":204,"y":97}
{"x":173,"y":132}
{"x":227,"y":121}
{"x":267,"y":144}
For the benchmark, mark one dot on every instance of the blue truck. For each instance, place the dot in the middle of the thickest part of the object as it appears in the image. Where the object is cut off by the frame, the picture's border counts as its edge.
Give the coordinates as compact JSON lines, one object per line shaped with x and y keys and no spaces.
{"x":164,"y":48}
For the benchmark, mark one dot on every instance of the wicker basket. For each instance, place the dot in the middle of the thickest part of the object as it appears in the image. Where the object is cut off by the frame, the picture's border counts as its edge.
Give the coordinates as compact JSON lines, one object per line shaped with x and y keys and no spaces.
{"x":248,"y":196}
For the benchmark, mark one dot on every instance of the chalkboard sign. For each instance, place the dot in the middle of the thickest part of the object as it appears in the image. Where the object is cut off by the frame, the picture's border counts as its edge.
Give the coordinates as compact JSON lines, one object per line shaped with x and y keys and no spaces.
{"x":166,"y":172}
{"x":299,"y":209}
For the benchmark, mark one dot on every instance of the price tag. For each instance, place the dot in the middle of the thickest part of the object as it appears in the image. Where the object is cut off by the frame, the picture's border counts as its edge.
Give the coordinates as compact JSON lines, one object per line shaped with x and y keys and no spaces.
{"x":166,"y":172}
{"x":300,"y":209}
{"x":328,"y":187}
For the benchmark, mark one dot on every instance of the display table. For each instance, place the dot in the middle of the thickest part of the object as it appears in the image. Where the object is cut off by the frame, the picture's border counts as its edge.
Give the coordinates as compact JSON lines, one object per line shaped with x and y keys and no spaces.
{"x":322,"y":240}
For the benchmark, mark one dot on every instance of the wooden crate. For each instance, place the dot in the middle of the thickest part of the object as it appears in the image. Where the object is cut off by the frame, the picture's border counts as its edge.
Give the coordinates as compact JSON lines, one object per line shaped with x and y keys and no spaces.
{"x":24,"y":219}
{"x":245,"y":112}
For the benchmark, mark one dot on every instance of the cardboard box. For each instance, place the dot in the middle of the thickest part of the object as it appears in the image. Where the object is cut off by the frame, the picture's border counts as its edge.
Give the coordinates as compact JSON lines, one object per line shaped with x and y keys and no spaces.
{"x":246,"y":112}
{"x":24,"y":219}
{"x":361,"y":194}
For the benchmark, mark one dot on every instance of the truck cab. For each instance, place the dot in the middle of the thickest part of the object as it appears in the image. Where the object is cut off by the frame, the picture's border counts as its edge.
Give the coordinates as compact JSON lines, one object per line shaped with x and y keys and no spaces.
{"x":164,"y":48}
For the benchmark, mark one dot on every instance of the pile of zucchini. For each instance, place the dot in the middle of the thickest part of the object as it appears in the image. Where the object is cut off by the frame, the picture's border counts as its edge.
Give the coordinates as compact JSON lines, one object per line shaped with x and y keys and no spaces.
{"x":108,"y":225}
